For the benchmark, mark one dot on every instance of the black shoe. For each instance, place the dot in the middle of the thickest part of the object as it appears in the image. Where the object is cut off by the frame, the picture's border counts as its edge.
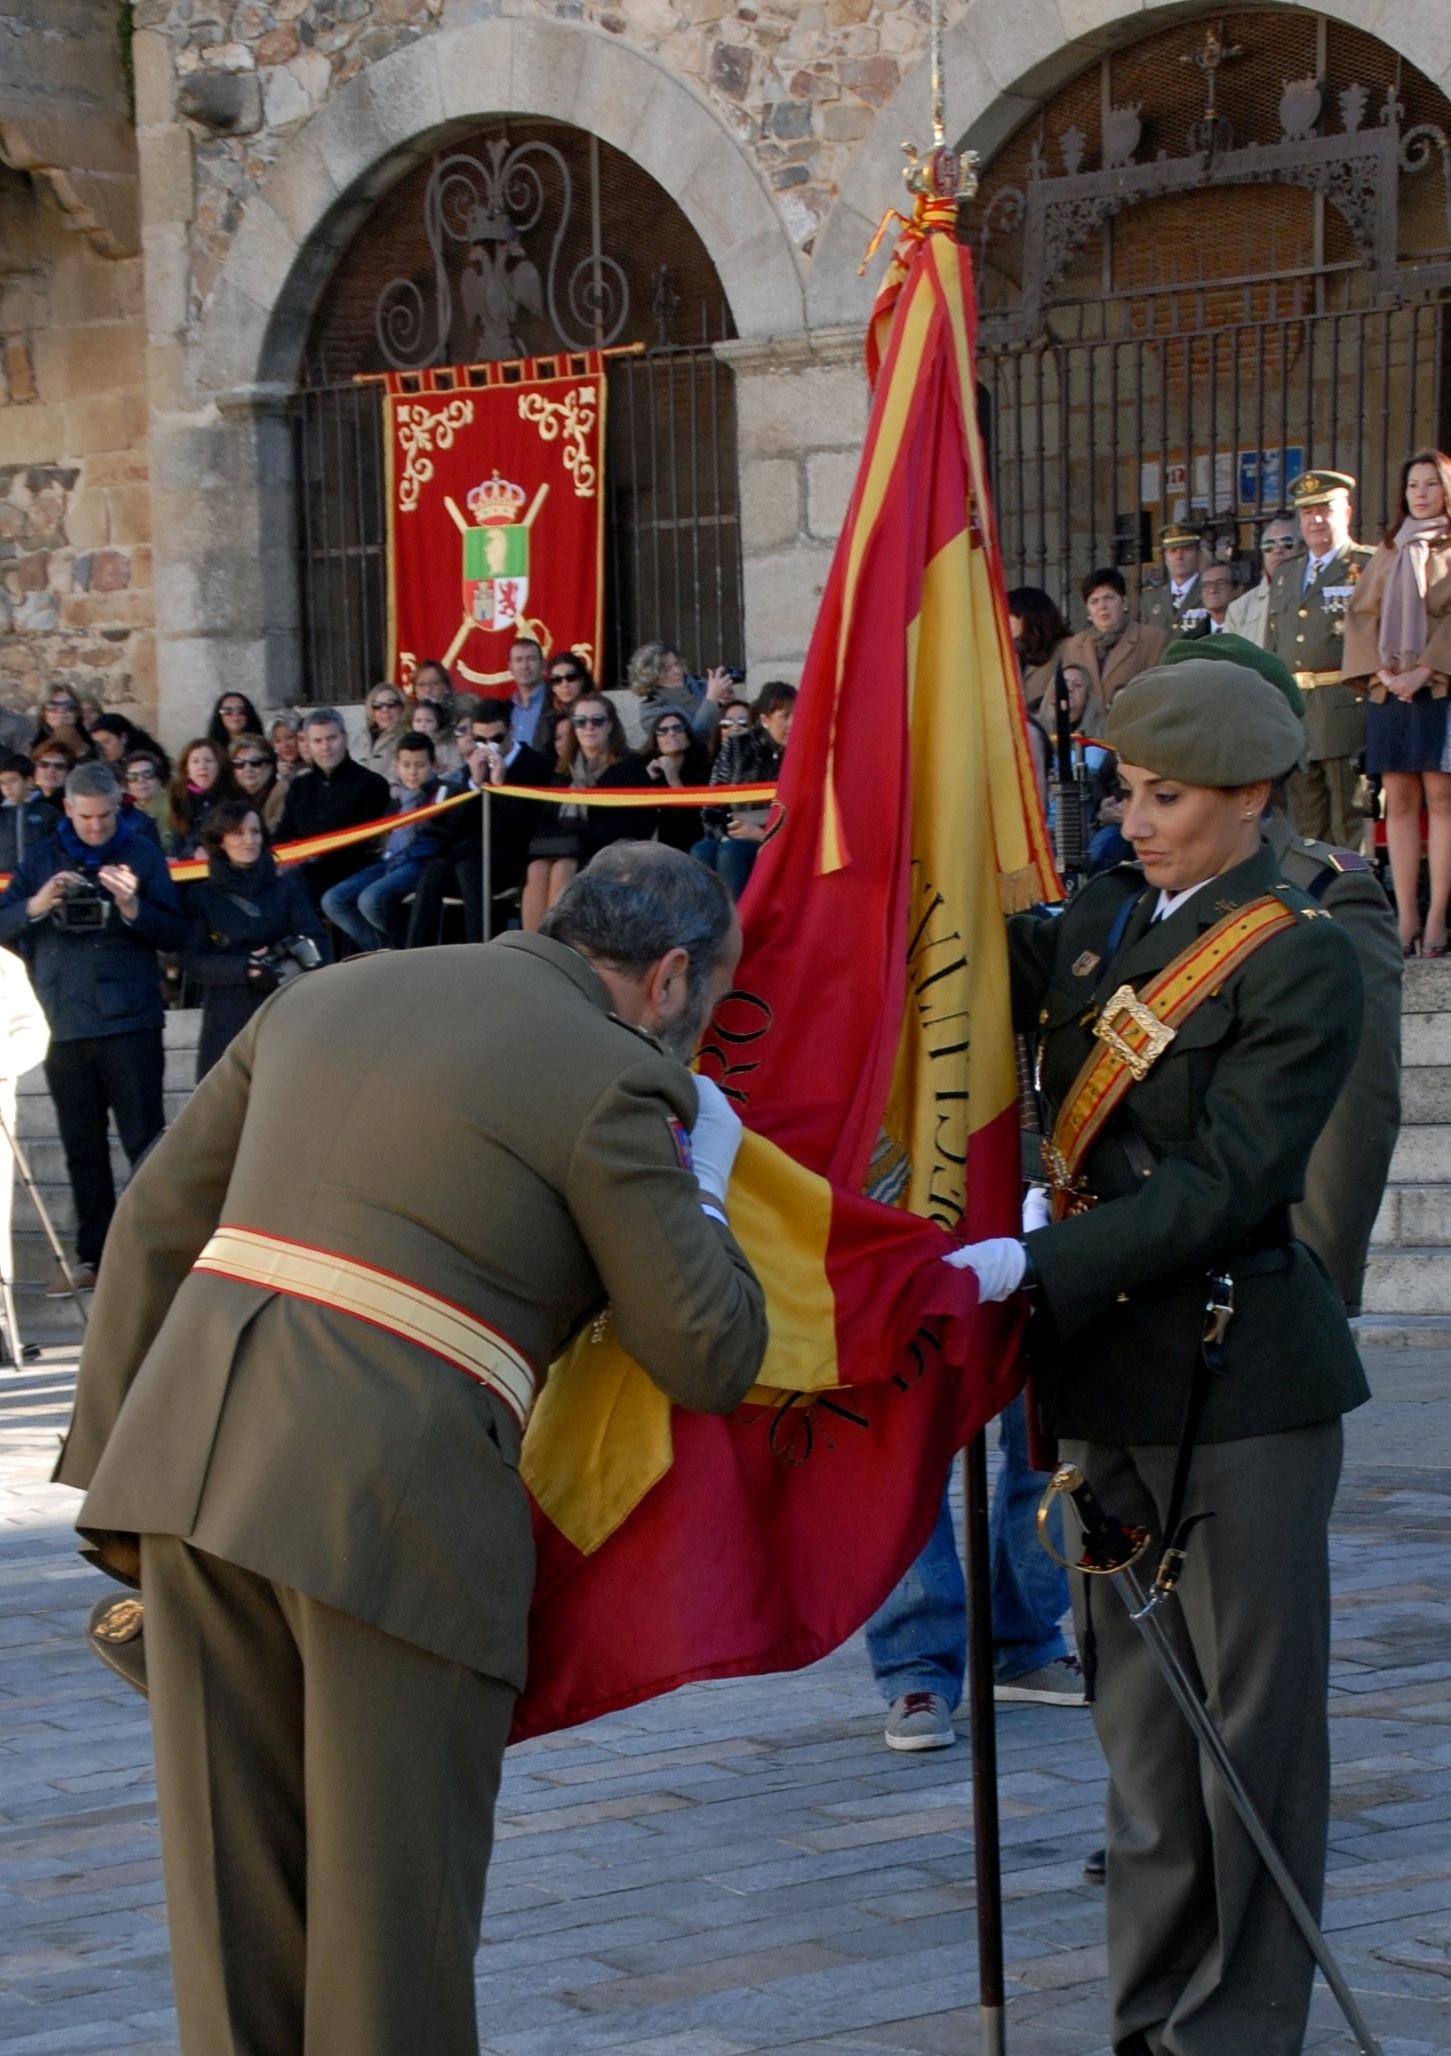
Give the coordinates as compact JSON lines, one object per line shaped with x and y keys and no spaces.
{"x":1095,"y":1871}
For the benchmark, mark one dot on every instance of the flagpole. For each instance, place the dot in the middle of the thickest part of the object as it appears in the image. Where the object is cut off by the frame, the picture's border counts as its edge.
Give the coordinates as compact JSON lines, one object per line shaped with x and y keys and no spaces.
{"x":949,"y":172}
{"x":987,"y":1853}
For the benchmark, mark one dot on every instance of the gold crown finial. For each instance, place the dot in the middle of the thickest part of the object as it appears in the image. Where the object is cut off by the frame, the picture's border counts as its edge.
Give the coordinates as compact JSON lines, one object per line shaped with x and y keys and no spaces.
{"x":943,"y":174}
{"x":498,"y":501}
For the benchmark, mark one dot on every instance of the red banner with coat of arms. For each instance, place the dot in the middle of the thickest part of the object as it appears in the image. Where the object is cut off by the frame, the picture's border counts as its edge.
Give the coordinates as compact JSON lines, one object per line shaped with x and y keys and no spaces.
{"x":495,"y":514}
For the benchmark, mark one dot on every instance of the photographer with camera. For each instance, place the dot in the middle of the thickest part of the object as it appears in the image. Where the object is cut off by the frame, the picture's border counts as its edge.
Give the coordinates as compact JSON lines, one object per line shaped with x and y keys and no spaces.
{"x":89,"y":908}
{"x":253,"y":928}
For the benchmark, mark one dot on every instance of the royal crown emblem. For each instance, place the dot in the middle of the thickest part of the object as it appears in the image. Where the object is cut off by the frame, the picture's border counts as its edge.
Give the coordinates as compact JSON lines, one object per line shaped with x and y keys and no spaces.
{"x":498,"y":502}
{"x":496,"y":556}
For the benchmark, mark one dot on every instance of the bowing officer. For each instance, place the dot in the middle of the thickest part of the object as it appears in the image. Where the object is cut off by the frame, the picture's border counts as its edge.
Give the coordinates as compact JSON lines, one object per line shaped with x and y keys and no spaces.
{"x":328,"y":1296}
{"x":1198,"y":1018}
{"x":1306,"y":625}
{"x":1176,"y":605}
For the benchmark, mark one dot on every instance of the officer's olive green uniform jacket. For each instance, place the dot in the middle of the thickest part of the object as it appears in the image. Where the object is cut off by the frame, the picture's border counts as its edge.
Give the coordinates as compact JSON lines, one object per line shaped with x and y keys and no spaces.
{"x":474,"y":1121}
{"x":1351,"y":1160}
{"x":1306,"y":627}
{"x":1225,"y":1120}
{"x":1157,"y":608}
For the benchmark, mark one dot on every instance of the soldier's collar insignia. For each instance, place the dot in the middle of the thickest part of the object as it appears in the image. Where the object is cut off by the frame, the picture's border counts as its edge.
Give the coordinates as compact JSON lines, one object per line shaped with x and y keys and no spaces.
{"x":1227,"y":906}
{"x":1089,"y":961}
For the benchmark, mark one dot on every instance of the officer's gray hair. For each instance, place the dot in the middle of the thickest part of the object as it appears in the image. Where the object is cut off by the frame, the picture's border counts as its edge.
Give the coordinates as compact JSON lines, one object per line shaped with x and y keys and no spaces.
{"x":638,"y":900}
{"x":324,"y":717}
{"x":92,"y":782}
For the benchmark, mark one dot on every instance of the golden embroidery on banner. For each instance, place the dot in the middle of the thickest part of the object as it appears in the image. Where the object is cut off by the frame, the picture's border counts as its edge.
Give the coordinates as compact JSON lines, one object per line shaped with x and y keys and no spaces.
{"x":421,"y":429}
{"x":573,"y":417}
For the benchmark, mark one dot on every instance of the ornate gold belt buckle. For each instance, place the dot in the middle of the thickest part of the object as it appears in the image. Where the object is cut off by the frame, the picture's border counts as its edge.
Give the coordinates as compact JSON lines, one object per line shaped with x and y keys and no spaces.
{"x":1125,"y":1004}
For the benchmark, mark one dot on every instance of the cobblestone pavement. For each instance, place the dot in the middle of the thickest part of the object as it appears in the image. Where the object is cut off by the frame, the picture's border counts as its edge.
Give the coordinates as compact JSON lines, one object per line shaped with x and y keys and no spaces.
{"x":743,"y":1867}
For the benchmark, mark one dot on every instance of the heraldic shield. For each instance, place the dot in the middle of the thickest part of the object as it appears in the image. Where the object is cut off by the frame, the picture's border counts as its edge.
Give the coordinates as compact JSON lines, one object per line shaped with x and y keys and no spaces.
{"x":496,"y":556}
{"x":495,"y":528}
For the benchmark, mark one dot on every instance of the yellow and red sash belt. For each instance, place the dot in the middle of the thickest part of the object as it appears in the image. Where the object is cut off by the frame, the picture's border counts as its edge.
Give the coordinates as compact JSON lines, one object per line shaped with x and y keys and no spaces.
{"x":385,"y":1301}
{"x":1134,"y":1029}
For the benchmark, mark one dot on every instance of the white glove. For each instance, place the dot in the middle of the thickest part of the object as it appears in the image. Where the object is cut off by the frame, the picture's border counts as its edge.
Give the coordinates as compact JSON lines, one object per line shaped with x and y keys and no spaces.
{"x":999,"y":1264}
{"x":1036,"y":1211}
{"x":714,"y":1139}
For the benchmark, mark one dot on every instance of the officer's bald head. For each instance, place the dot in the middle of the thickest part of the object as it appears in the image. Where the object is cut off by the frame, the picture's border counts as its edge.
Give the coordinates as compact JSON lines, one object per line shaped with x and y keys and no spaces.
{"x":660,"y":929}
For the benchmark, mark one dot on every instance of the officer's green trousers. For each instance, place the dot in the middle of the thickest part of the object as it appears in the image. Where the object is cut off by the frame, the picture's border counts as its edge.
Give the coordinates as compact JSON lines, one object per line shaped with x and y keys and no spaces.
{"x":326,"y":1796}
{"x":1203,"y":1958}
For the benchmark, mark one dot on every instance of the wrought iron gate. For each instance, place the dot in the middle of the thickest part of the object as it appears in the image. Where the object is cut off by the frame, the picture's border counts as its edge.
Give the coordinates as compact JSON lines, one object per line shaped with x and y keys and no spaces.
{"x":1095,"y":443}
{"x":673,"y":555}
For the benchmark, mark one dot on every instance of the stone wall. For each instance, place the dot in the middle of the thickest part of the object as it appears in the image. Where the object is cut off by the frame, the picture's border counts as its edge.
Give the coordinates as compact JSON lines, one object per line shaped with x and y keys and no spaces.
{"x":798,"y":85}
{"x":75,"y":518}
{"x":801,"y":413}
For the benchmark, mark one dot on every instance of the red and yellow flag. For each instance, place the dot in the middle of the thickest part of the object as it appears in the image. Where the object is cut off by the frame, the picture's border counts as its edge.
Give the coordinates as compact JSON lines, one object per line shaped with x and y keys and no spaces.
{"x":869,"y":1046}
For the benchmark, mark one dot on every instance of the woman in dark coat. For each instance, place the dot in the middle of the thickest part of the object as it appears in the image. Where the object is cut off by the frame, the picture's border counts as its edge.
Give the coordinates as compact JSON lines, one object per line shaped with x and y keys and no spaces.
{"x":241,"y":910}
{"x":675,"y":758}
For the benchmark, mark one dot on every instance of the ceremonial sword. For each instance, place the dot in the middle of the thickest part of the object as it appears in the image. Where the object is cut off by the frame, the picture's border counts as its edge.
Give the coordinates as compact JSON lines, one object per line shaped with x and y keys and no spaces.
{"x":1112,"y":1550}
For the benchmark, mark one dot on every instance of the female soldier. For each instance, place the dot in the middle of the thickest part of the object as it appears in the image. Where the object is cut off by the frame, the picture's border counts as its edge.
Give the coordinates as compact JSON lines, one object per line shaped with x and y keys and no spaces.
{"x":1173,"y":1175}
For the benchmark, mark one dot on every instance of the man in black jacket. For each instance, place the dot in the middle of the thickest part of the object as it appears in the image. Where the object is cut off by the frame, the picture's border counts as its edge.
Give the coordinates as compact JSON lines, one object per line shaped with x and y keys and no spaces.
{"x":457,"y":867}
{"x":338,"y":792}
{"x":89,"y":908}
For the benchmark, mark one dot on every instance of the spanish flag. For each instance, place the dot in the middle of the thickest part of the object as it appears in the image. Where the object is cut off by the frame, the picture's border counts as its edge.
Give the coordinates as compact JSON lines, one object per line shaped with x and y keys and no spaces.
{"x":869,"y":1048}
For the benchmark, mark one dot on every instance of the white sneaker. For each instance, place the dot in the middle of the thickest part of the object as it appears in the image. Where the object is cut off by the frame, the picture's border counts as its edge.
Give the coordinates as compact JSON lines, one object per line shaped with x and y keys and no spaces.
{"x":1057,"y":1683}
{"x":920,"y":1720}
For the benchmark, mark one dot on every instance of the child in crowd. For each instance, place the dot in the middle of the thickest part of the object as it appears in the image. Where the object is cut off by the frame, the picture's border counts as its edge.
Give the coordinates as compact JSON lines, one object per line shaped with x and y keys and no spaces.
{"x":368,"y":906}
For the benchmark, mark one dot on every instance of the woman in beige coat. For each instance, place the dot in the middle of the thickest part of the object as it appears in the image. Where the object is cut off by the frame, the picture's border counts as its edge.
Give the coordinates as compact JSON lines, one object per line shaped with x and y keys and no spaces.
{"x":1398,"y":652}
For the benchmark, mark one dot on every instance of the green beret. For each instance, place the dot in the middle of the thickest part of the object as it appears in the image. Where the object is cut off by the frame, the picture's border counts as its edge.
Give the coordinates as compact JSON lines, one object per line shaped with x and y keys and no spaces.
{"x":1205,"y":722}
{"x":1227,"y":648}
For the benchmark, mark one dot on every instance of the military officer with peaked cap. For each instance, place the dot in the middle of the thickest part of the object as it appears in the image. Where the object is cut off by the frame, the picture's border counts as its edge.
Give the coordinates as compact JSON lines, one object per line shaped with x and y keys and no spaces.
{"x":1305,"y":625}
{"x":1175,"y":1175}
{"x":1176,"y":604}
{"x":326,"y":1301}
{"x":1351,"y":1161}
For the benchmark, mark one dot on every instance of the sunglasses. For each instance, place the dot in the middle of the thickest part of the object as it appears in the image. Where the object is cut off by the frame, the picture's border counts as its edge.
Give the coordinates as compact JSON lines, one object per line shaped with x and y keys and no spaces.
{"x":1282,"y":542}
{"x":140,"y":776}
{"x":736,"y":721}
{"x":233,"y":707}
{"x":251,"y":763}
{"x":388,"y":703}
{"x":591,"y":720}
{"x":565,"y":677}
{"x":669,"y":728}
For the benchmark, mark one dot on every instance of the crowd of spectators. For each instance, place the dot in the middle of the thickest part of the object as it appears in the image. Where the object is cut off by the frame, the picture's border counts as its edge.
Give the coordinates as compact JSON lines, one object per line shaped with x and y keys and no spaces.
{"x":92,"y":808}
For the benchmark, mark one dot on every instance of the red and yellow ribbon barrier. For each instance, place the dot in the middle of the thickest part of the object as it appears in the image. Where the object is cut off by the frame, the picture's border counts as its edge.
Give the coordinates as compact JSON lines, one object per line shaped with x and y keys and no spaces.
{"x":186,"y":869}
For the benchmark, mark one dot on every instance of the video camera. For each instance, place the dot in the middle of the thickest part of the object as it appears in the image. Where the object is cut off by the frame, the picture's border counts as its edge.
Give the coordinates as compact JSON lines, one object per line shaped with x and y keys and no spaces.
{"x":83,"y":908}
{"x":288,"y":958}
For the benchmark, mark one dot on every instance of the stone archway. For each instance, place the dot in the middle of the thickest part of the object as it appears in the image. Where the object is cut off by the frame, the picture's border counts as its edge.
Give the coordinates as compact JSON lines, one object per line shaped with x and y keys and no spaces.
{"x":221,"y":447}
{"x":390,"y":116}
{"x":1003,"y":59}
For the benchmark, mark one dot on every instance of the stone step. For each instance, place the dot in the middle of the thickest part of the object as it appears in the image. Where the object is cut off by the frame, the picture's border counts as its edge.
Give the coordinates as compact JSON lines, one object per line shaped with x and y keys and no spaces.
{"x":1425,"y":1039}
{"x":1402,"y":1331}
{"x":1422,"y":1154}
{"x":1414,"y":1216}
{"x":1425,"y":1095}
{"x":1427,"y":989}
{"x":1408,"y":1281}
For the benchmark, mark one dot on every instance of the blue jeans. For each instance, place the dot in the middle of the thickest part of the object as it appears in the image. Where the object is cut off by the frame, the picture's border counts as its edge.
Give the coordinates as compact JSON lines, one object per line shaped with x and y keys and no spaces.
{"x":733,"y":862}
{"x":917,"y":1638}
{"x":359,"y":905}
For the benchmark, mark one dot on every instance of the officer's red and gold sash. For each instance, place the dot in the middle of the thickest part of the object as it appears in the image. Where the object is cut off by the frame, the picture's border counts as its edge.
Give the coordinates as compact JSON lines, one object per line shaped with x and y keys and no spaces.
{"x":1135,"y":1028}
{"x":380,"y":1298}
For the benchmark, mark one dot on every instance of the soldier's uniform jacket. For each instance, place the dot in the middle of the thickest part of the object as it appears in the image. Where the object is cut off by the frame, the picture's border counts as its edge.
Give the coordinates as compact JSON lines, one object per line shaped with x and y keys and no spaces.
{"x":1196,"y":1171}
{"x":1351,"y":1160}
{"x":1159,"y":609}
{"x":528,"y":1170}
{"x":1306,"y":626}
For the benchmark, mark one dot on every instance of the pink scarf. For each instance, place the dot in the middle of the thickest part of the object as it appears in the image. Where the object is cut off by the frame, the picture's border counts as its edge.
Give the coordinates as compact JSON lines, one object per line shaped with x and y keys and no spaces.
{"x":1403,"y":601}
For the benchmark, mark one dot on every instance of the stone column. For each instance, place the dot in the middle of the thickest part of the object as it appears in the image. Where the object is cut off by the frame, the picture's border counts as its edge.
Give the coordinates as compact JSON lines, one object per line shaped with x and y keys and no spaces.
{"x":801,"y":414}
{"x":220,"y":473}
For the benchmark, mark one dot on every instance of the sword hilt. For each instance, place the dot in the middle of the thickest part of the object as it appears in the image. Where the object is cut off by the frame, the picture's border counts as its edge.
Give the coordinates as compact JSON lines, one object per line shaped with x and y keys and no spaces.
{"x":1108,"y":1544}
